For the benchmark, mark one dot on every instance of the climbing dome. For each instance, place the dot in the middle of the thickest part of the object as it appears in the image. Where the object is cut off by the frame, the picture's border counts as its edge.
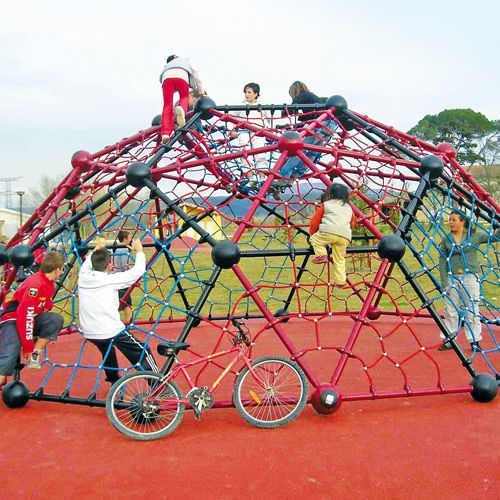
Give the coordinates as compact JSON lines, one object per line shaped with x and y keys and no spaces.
{"x":223,"y":211}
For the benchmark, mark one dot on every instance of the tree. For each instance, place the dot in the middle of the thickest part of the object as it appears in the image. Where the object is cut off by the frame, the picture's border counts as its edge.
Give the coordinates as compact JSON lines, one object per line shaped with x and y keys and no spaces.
{"x":46,"y":186}
{"x":466,"y":129}
{"x":476,"y":139}
{"x":487,"y":170}
{"x":489,"y":145}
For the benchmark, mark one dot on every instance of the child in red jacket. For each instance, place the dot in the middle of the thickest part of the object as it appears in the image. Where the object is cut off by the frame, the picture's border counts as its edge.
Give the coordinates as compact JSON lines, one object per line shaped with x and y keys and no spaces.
{"x":331,"y":226}
{"x":26,"y":325}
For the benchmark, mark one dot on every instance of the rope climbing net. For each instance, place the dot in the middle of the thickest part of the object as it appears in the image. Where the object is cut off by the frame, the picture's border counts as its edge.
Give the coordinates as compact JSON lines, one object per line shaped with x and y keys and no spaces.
{"x":223,"y":211}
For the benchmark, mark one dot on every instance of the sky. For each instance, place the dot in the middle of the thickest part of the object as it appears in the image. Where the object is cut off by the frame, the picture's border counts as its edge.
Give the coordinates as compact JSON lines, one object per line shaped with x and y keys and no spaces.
{"x":85,"y":75}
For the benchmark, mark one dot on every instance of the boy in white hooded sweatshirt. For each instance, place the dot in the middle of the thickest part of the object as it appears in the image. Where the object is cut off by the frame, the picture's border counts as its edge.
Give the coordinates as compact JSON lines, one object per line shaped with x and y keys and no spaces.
{"x":98,"y":307}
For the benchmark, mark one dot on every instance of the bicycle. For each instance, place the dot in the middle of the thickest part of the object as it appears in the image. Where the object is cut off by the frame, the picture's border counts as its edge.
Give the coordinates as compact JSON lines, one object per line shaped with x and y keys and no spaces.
{"x":269,"y":392}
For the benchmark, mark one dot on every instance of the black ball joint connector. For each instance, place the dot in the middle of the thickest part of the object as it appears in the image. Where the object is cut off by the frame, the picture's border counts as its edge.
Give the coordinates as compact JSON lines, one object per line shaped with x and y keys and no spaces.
{"x":18,"y":256}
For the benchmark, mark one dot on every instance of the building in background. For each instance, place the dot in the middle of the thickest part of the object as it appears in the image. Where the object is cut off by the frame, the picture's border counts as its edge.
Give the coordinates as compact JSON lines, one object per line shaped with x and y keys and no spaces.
{"x":9,"y":221}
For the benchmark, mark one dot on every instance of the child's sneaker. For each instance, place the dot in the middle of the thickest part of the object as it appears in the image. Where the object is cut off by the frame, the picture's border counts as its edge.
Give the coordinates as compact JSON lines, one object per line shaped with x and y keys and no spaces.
{"x":320,"y":259}
{"x":180,"y":117}
{"x":476,"y":347}
{"x":34,"y":361}
{"x":445,"y":347}
{"x":274,"y":192}
{"x":165,"y":139}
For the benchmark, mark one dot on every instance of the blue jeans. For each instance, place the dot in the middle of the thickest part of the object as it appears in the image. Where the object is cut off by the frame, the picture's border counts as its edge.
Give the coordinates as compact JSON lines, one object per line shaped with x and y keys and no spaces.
{"x":47,"y":326}
{"x":295,"y":168}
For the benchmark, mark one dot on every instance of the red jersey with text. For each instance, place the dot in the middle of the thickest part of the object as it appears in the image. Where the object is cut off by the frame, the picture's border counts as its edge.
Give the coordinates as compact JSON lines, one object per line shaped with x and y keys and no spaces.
{"x":34,"y":296}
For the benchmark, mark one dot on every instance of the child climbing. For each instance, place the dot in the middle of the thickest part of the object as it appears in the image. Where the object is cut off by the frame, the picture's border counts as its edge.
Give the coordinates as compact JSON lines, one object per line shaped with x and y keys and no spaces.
{"x":121,"y":262}
{"x":98,"y":304}
{"x":179,"y":76}
{"x":247,"y":139}
{"x":460,"y":271}
{"x":316,"y":135}
{"x":331,"y":226}
{"x":27,"y":324}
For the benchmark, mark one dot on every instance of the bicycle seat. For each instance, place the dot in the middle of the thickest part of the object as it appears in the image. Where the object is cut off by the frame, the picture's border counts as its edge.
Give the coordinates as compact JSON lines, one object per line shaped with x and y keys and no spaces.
{"x":170,"y":347}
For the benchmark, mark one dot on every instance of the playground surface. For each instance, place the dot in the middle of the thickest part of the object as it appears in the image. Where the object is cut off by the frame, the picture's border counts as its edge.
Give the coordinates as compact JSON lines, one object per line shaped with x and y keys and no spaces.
{"x":423,"y":447}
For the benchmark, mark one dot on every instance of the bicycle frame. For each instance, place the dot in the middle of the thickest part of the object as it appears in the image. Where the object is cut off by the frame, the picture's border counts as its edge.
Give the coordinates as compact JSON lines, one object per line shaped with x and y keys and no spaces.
{"x":183,"y":369}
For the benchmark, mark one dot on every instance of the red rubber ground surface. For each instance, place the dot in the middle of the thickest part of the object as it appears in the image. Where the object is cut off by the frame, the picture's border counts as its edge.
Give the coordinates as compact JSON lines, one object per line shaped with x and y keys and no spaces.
{"x":426,"y":447}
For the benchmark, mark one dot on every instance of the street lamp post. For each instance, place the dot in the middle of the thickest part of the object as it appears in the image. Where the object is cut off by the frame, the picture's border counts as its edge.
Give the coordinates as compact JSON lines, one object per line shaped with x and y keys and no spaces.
{"x":20,"y":194}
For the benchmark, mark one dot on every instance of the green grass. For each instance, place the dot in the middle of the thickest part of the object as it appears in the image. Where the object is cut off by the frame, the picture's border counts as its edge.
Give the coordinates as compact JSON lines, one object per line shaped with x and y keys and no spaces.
{"x":274,"y":277}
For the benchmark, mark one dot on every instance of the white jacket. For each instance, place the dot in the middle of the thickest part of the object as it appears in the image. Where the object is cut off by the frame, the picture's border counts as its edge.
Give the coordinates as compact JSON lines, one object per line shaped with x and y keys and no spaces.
{"x":336,"y":219}
{"x":181,"y":67}
{"x":98,"y":297}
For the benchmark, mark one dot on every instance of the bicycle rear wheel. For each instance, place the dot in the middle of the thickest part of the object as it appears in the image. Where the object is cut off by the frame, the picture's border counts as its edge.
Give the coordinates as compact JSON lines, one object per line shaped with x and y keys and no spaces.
{"x":274,"y":396}
{"x":134,"y":412}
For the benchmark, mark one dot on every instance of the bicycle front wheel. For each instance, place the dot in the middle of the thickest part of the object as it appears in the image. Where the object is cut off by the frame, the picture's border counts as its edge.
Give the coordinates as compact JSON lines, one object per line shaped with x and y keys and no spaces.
{"x":272,"y":394}
{"x":142,"y":407}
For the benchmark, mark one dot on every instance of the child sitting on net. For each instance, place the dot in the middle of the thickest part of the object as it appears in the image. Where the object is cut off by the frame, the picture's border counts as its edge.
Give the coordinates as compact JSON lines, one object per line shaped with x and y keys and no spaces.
{"x":331,"y":226}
